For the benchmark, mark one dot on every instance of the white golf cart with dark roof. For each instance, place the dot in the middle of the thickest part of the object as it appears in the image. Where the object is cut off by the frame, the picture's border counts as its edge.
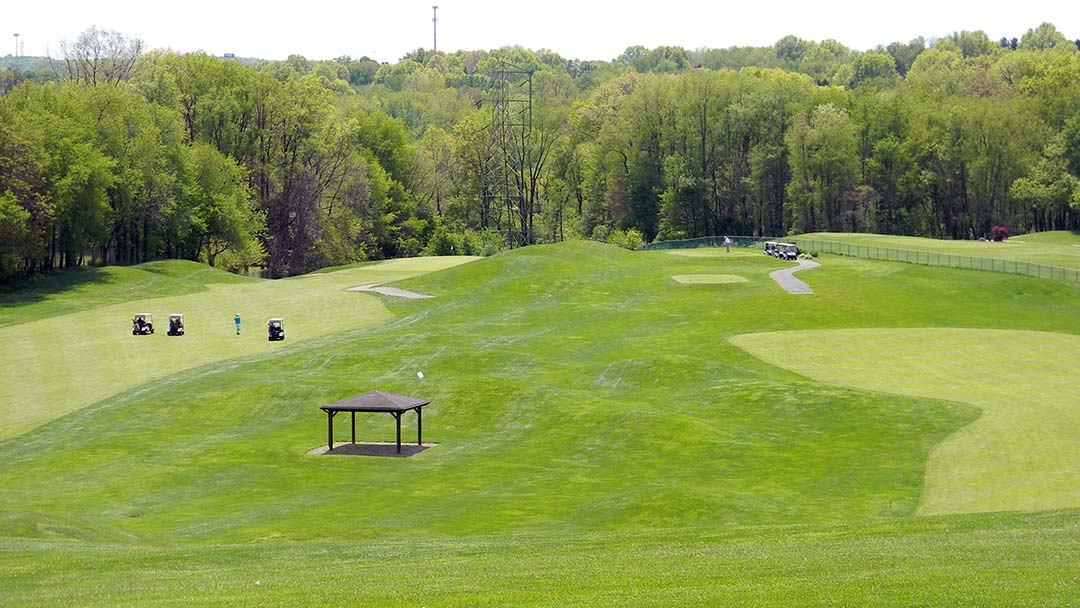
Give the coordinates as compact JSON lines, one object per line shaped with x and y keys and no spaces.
{"x":142,"y":324}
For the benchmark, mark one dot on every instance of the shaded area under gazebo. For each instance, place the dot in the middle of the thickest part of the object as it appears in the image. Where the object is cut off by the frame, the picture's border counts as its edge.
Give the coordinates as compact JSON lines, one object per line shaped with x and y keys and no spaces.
{"x":369,"y":448}
{"x":373,"y":401}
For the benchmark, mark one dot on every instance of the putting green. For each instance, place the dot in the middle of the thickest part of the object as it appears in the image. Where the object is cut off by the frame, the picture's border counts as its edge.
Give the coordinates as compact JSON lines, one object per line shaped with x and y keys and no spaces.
{"x":52,"y":366}
{"x":1023,"y":453}
{"x":708,"y":279}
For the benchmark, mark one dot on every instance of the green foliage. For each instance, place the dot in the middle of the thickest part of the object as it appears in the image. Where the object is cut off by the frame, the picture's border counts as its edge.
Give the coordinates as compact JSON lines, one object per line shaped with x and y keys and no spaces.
{"x":905,"y":54}
{"x":442,"y":242}
{"x":662,"y":59}
{"x":974,"y":44}
{"x":214,"y":209}
{"x":1046,"y":37}
{"x":821,"y":148}
{"x":1049,"y":188}
{"x":1071,"y":144}
{"x":27,"y":207}
{"x":346,"y":160}
{"x":483,"y":242}
{"x":15,"y":235}
{"x":878,"y":69}
{"x":627,"y":239}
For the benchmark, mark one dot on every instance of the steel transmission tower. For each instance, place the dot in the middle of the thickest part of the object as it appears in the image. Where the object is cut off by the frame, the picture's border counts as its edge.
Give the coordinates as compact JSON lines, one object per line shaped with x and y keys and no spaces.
{"x":435,"y":29}
{"x":510,"y":96}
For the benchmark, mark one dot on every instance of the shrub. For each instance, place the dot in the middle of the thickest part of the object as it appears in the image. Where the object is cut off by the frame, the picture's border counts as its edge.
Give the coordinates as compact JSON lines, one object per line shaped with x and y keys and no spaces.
{"x":999,"y":233}
{"x":485,"y":242}
{"x":601,"y":232}
{"x":443,"y":243}
{"x":630,"y":238}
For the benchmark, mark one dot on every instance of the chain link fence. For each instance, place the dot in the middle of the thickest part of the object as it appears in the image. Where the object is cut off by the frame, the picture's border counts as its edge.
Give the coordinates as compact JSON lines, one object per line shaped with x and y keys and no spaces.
{"x":872,"y":252}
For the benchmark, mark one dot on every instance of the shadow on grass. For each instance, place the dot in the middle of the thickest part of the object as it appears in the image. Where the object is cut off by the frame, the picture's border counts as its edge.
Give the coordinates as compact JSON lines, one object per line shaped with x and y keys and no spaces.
{"x":37,"y":289}
{"x":72,"y":290}
{"x":374,"y":449}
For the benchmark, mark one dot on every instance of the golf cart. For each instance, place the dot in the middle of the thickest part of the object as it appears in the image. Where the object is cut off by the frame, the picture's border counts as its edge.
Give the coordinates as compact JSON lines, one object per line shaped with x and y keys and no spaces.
{"x":770,"y":248}
{"x":176,"y":324}
{"x":789,"y":251}
{"x":275,"y":329}
{"x":142,"y":324}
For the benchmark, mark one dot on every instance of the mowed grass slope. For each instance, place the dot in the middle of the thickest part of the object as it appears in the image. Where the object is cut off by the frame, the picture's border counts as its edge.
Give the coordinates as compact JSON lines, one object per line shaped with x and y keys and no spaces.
{"x":600,"y":442}
{"x":81,"y":289}
{"x":1054,"y":248}
{"x":1000,"y":560}
{"x":73,"y":346}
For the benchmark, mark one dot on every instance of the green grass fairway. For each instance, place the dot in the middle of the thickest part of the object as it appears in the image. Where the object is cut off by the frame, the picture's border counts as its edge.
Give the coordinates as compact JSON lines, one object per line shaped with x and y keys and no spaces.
{"x":1057,"y":248}
{"x":600,"y":442}
{"x":708,"y":279}
{"x":1023,"y":453}
{"x":56,"y":364}
{"x":1004,"y":560}
{"x":707,"y":252}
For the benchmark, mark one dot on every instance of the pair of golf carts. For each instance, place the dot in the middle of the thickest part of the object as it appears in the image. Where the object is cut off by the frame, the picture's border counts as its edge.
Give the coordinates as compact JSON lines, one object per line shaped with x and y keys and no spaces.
{"x":784,"y":251}
{"x":142,"y":324}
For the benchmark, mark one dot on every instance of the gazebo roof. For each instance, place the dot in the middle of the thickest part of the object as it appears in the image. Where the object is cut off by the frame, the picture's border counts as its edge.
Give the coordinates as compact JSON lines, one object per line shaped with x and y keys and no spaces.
{"x":375,"y":401}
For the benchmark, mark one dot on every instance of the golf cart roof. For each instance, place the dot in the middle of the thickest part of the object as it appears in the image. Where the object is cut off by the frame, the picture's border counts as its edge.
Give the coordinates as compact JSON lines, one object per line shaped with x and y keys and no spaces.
{"x":276,"y":320}
{"x":143,"y":314}
{"x":176,"y":314}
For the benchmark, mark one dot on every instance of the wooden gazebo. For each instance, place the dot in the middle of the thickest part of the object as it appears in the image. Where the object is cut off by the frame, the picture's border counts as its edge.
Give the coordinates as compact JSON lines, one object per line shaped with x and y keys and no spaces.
{"x":374,"y":401}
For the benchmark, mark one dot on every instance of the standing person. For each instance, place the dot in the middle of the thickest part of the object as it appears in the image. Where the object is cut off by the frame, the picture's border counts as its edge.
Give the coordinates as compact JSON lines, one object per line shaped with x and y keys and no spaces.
{"x":727,"y":244}
{"x":237,"y":320}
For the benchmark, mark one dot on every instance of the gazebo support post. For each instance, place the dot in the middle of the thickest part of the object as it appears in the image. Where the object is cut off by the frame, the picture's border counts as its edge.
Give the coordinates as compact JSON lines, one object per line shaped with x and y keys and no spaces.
{"x":353,"y":427}
{"x":419,"y":428}
{"x":397,"y":417}
{"x":330,"y":429}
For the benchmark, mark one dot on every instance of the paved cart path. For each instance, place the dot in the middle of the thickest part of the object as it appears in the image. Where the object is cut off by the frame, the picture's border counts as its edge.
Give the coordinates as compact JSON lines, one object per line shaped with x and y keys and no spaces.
{"x":786,"y":277}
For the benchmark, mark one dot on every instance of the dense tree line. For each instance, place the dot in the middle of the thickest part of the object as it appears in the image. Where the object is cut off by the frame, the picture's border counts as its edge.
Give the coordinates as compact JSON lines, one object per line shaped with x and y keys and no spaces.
{"x":115,"y":155}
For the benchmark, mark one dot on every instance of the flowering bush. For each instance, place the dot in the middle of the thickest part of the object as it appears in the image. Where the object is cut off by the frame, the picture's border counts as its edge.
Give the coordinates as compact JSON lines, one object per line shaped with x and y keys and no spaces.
{"x":999,"y":233}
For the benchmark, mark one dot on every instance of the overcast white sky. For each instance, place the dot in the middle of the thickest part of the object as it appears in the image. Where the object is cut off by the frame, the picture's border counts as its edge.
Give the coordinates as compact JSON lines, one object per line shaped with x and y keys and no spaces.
{"x":387,"y":29}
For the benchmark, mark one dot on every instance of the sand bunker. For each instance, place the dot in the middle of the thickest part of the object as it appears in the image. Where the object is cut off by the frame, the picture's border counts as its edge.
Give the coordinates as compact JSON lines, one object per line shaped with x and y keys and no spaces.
{"x":708,"y":279}
{"x":390,"y":291}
